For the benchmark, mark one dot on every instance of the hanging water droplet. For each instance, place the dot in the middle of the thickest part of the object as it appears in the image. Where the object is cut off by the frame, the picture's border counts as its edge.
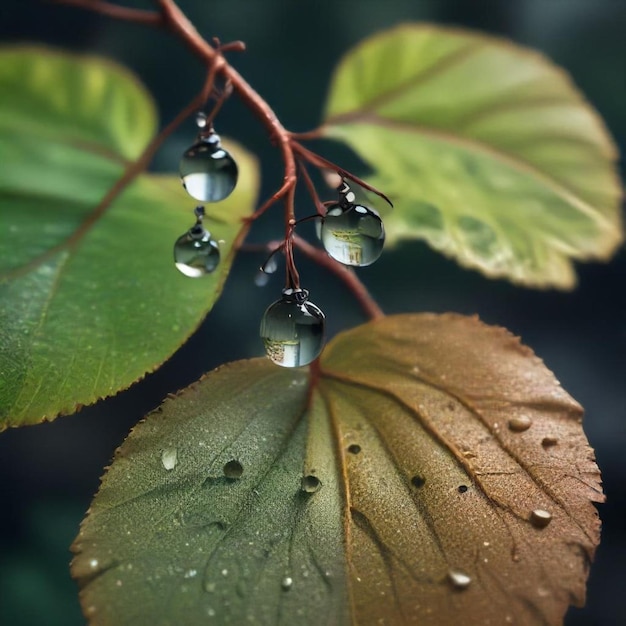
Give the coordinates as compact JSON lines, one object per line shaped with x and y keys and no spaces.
{"x":520,"y":423}
{"x":292,"y":329}
{"x":287,"y":583}
{"x":458,"y":579}
{"x":195,"y":253}
{"x":233,"y":469}
{"x":352,"y":234}
{"x":310,"y":483}
{"x":201,"y":119}
{"x":169,"y":458}
{"x":209,"y":173}
{"x":540,"y":518}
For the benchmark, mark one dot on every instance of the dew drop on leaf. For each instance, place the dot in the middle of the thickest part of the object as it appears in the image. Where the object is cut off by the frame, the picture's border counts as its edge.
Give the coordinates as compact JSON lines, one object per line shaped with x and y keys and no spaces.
{"x":540,"y":518}
{"x":292,"y":329}
{"x":310,"y":484}
{"x":233,"y":469}
{"x":209,"y":173}
{"x":459,"y":580}
{"x":196,"y":253}
{"x":520,"y":423}
{"x":169,"y":458}
{"x":352,"y":235}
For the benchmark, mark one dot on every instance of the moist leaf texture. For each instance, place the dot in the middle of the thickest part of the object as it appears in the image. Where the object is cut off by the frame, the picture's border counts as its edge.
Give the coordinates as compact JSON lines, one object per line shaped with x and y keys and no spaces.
{"x":432,"y":472}
{"x":85,"y":312}
{"x":489,"y":152}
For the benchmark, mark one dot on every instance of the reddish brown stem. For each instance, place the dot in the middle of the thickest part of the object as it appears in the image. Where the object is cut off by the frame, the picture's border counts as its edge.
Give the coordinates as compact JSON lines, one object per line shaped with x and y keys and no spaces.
{"x":311,"y":189}
{"x":149,"y":18}
{"x":345,"y":274}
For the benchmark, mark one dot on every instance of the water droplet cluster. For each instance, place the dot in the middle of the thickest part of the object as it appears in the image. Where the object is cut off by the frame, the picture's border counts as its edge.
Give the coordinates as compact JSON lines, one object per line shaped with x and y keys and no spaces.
{"x":209,"y":174}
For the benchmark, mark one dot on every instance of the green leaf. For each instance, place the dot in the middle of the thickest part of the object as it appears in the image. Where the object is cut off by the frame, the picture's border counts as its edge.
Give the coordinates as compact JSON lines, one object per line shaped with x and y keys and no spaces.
{"x":488,"y":151}
{"x":396,"y":484}
{"x":85,"y":312}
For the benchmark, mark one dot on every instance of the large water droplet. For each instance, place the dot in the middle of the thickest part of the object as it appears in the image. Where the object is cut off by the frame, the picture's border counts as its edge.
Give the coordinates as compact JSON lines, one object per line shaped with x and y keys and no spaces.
{"x":169,"y":458}
{"x":208,"y":171}
{"x":310,"y":484}
{"x":195,"y":253}
{"x":540,"y":518}
{"x":520,"y":423}
{"x":353,"y":235}
{"x":233,"y":469}
{"x":459,"y":579}
{"x":292,"y":329}
{"x":287,"y":583}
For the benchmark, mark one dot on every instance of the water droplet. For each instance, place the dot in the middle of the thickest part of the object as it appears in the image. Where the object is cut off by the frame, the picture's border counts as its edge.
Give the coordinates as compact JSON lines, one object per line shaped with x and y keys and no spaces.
{"x":540,"y":518}
{"x":196,"y":253}
{"x":292,"y":329}
{"x":418,"y":481}
{"x":287,"y":583}
{"x":208,"y":171}
{"x":310,"y":484}
{"x":354,"y":448}
{"x":353,"y":235}
{"x":233,"y":469}
{"x":520,"y":423}
{"x":201,"y":119}
{"x":458,"y":579}
{"x":169,"y":458}
{"x":548,"y":442}
{"x":463,"y":488}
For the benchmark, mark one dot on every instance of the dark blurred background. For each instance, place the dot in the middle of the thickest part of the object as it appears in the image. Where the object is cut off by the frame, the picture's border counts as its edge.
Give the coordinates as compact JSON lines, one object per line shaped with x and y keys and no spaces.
{"x":49,"y":473}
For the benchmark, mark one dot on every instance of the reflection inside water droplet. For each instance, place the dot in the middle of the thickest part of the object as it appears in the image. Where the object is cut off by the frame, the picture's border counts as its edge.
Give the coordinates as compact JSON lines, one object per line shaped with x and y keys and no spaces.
{"x":233,"y":469}
{"x":169,"y":458}
{"x":548,"y":442}
{"x":540,"y":518}
{"x":354,"y":448}
{"x":287,"y":583}
{"x":463,"y":488}
{"x":418,"y":481}
{"x":458,"y":579}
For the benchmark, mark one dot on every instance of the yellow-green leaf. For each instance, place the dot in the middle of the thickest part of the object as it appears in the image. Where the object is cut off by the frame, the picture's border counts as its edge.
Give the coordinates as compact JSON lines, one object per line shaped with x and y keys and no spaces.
{"x":88,"y":308}
{"x":432,"y":471}
{"x":488,"y":151}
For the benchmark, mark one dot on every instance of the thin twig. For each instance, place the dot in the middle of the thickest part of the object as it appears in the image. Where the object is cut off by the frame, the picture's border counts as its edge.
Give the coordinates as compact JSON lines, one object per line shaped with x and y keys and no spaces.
{"x":311,"y":189}
{"x":141,"y":16}
{"x":347,"y":275}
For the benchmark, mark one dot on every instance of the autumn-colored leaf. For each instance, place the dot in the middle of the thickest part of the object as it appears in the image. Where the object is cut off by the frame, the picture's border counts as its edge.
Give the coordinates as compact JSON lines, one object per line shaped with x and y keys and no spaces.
{"x":90,"y":301}
{"x":430,"y":471}
{"x":488,"y":151}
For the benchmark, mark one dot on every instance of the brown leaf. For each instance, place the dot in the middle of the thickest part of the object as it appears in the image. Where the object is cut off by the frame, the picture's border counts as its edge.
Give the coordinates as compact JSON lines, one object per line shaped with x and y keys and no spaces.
{"x":470,"y":494}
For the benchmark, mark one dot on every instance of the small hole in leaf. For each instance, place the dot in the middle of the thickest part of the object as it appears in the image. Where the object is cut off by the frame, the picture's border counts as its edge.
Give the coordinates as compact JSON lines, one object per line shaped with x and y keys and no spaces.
{"x":354,"y":448}
{"x":418,"y":481}
{"x":463,"y":488}
{"x":233,"y":469}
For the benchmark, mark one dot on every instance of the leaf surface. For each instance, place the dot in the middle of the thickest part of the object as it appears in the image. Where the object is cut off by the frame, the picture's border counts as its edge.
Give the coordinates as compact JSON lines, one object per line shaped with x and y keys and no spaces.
{"x":84,"y":311}
{"x":397,"y":484}
{"x":488,"y":151}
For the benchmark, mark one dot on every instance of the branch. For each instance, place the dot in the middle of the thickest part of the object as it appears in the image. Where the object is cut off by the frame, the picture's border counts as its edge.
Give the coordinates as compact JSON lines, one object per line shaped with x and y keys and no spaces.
{"x":149,"y":18}
{"x":347,"y":275}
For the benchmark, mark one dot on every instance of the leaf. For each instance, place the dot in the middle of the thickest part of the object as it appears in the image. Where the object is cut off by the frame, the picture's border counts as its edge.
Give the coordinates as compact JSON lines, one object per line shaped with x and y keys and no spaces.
{"x":84,"y":312}
{"x":488,"y":151}
{"x":398,"y":486}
